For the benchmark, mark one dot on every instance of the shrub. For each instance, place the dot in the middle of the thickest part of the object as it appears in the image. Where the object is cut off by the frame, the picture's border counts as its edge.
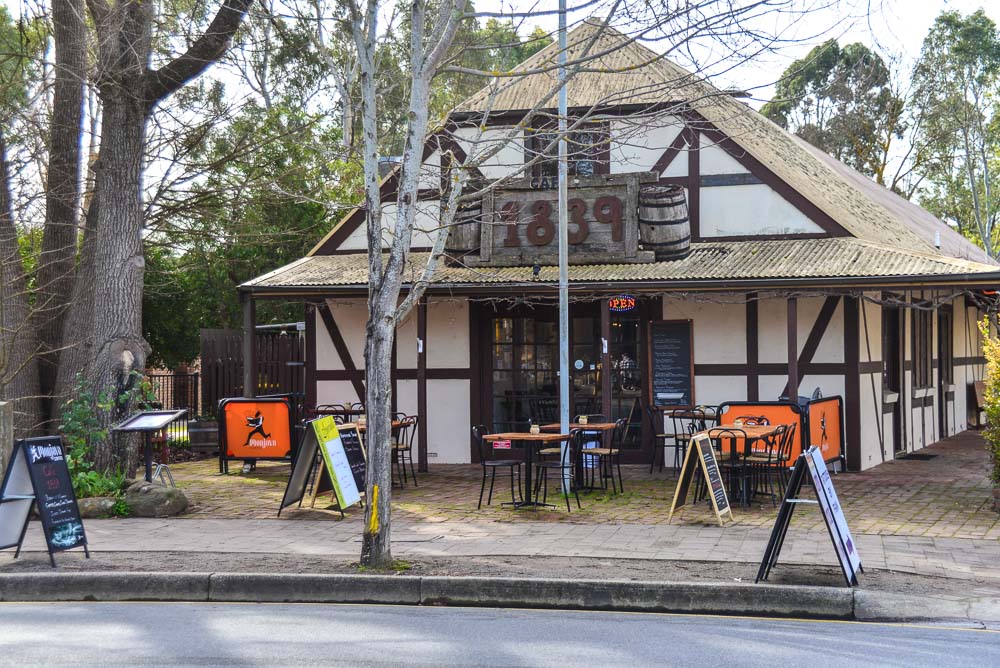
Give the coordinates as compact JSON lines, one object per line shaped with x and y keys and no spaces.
{"x":991,"y":349}
{"x":81,"y":429}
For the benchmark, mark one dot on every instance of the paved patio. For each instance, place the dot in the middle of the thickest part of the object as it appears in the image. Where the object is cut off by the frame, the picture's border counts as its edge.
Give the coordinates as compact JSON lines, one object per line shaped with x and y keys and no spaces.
{"x":948,"y":496}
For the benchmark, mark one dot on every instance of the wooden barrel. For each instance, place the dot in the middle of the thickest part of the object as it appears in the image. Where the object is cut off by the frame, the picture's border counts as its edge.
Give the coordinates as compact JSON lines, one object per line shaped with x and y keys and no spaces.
{"x":463,"y":235}
{"x":203,"y":435}
{"x":663,"y":222}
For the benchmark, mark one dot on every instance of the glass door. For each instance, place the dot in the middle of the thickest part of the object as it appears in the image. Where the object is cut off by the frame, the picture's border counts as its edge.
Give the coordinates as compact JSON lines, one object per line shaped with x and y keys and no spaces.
{"x":525,"y":361}
{"x":627,"y":374}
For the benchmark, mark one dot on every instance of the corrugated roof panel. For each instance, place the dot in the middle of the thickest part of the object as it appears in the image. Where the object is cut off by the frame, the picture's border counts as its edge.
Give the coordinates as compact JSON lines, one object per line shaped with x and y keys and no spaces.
{"x":841,"y":257}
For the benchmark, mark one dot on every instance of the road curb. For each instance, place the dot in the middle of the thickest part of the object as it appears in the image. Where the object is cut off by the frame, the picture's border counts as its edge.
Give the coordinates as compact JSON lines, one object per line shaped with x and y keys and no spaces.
{"x":610,"y":595}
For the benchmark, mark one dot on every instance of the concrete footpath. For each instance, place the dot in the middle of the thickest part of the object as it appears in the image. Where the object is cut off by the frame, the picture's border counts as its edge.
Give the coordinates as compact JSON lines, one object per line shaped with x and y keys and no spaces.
{"x":973,"y":561}
{"x":939,"y":557}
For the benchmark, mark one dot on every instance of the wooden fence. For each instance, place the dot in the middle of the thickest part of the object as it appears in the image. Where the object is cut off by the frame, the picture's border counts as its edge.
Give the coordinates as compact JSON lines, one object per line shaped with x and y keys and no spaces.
{"x":280,"y":365}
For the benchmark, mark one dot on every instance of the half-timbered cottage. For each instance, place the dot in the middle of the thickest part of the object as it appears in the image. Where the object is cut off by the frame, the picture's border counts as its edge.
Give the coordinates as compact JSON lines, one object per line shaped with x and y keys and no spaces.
{"x":803,"y":275}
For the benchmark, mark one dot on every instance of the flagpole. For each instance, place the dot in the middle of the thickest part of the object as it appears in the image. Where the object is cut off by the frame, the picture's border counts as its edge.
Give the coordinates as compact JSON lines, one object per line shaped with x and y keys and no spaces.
{"x":563,"y":249}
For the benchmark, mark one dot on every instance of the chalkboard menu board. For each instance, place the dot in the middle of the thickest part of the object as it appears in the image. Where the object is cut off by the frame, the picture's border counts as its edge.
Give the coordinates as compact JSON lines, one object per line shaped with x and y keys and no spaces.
{"x":711,"y":467}
{"x":355,"y":455}
{"x":671,"y":363}
{"x":38,"y":474}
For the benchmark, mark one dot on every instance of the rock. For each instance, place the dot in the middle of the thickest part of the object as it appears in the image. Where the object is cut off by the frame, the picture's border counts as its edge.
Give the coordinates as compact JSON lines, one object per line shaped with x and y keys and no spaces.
{"x":96,"y":506}
{"x":150,"y":499}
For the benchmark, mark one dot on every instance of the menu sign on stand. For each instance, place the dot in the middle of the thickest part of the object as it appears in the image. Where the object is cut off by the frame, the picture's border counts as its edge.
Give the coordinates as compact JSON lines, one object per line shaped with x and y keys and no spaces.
{"x":38,"y":474}
{"x":671,"y":363}
{"x":811,"y":463}
{"x":701,"y":452}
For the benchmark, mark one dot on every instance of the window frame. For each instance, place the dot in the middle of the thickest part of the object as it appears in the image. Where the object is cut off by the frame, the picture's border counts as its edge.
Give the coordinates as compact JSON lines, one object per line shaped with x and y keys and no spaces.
{"x":533,"y":145}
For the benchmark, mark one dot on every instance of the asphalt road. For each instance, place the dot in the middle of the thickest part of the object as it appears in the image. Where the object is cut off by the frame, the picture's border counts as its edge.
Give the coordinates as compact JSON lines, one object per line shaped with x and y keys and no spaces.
{"x":262,"y":634}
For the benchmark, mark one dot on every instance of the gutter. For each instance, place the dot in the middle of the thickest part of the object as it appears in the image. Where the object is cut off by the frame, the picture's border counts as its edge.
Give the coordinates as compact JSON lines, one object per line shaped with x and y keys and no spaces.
{"x":966,"y":281}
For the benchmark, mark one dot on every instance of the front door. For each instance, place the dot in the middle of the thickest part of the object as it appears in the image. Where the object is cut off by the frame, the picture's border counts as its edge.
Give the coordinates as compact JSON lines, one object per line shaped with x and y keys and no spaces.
{"x":892,"y":374}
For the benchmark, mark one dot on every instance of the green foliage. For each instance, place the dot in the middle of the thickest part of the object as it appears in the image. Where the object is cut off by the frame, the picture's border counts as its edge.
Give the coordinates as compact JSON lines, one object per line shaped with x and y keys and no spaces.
{"x":991,"y":349}
{"x":121,"y":508}
{"x":81,"y":430}
{"x":841,"y":101}
{"x":183,"y":443}
{"x":256,"y":210}
{"x":957,"y":88}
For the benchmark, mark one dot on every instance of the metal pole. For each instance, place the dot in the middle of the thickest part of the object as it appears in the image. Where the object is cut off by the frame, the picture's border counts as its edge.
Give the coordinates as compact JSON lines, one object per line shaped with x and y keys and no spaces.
{"x":563,"y":250}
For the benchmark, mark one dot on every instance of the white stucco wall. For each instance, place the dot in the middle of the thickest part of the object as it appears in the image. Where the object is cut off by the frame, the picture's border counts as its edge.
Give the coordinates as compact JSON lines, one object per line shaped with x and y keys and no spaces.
{"x":713,"y":159}
{"x":350,"y":316}
{"x":719,"y":328}
{"x":447,"y":333}
{"x":448,"y":421}
{"x":750,"y":209}
{"x":636,"y":144}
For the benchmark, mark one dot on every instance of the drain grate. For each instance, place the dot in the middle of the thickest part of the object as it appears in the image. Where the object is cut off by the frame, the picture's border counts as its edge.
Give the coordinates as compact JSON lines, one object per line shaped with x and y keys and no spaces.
{"x":921,"y":456}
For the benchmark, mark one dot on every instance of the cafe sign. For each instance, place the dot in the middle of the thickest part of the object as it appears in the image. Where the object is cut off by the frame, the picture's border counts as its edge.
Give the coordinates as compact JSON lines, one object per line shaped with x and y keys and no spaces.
{"x":521,"y":222}
{"x":621,"y":303}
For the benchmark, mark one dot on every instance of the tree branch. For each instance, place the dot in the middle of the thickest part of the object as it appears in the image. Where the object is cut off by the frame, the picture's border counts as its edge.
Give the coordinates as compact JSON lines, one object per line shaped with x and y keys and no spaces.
{"x":161,"y":83}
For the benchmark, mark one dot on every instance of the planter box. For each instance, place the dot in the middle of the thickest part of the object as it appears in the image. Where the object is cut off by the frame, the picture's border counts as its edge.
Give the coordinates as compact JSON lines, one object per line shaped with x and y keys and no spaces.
{"x":204,"y":435}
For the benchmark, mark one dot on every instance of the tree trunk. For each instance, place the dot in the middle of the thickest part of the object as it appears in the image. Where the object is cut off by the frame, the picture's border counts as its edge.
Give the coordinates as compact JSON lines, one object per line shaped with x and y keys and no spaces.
{"x":119,"y":349}
{"x":62,"y":199}
{"x":18,"y":364}
{"x":376,"y":550}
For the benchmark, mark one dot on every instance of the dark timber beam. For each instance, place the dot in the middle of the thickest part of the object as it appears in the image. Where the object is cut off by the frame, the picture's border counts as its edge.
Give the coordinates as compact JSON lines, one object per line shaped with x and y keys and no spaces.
{"x":793,"y":349}
{"x":852,"y":383}
{"x":753,"y":370}
{"x":249,"y":345}
{"x":422,"y":385}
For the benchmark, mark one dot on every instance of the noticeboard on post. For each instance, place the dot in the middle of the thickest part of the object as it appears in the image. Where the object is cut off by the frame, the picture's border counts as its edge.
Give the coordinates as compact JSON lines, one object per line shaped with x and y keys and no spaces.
{"x":255,"y":429}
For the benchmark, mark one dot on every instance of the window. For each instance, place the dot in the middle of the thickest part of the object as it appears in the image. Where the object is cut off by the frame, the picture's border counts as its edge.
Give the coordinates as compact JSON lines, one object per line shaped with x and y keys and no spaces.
{"x":587,"y":148}
{"x":922,"y":353}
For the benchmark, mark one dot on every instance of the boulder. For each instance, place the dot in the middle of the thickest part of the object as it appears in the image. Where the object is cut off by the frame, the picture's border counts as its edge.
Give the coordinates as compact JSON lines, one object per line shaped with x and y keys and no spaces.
{"x":96,"y":506}
{"x":150,"y":499}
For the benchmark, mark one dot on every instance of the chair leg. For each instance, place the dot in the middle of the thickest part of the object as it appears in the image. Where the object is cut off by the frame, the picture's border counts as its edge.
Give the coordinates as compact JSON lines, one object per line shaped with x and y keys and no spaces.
{"x":512,"y":497}
{"x":576,"y":493}
{"x":482,"y":488}
{"x":413,"y":471}
{"x":493,"y":477}
{"x":621,"y":481}
{"x":567,"y":492}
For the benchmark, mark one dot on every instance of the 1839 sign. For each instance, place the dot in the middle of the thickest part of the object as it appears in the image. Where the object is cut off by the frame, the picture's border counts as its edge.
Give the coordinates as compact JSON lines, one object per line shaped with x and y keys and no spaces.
{"x":522,"y":222}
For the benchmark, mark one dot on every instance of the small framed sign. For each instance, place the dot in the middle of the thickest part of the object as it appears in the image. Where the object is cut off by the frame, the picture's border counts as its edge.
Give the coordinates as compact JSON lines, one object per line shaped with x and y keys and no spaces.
{"x":501,"y":445}
{"x":621,"y":303}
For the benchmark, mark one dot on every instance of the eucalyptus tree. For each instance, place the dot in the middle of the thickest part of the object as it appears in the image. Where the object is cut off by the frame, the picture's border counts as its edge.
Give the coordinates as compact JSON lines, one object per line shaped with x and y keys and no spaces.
{"x":957,"y":80}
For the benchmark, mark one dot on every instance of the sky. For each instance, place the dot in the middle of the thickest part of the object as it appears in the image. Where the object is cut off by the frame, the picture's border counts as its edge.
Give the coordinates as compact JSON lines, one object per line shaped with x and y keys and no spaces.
{"x":893,"y":27}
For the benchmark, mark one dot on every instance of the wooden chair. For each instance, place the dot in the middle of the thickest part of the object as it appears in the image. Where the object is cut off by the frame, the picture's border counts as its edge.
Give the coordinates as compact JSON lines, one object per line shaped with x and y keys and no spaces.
{"x":490,"y":466}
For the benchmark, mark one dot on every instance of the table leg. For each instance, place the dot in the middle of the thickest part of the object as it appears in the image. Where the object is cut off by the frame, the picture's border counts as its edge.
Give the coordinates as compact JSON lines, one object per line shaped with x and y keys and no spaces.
{"x":527,"y":473}
{"x":149,"y":456}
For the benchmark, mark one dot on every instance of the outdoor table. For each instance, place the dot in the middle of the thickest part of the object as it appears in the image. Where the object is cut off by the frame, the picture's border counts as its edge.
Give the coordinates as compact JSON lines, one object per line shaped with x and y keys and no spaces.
{"x":603,"y":427}
{"x":343,"y":412}
{"x":396,"y":424}
{"x":753,"y":434}
{"x":530,"y":440}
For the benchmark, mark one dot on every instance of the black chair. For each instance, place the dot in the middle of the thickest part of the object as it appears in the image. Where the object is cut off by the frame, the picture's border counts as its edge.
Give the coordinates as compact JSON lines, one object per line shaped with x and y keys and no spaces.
{"x":402,"y":447}
{"x":610,"y":458}
{"x":736,"y":468}
{"x":761,"y":460}
{"x":659,"y":437}
{"x":491,"y":465}
{"x":564,"y":466}
{"x":685,"y":423}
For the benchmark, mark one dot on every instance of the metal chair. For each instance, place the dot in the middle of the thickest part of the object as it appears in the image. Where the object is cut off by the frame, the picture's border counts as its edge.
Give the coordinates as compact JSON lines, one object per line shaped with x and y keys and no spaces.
{"x":402,"y":447}
{"x":609,"y":458}
{"x":762,"y":460}
{"x":734,"y":465}
{"x":491,"y":466}
{"x":659,"y":438}
{"x":565,"y":466}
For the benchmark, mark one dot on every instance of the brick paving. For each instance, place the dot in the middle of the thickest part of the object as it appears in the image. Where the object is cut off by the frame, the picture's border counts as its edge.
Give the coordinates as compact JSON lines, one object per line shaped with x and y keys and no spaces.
{"x":947,"y":497}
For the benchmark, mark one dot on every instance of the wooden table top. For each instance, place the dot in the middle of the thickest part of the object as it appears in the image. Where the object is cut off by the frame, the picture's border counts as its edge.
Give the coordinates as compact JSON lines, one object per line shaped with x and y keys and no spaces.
{"x":596,"y":426}
{"x":525,"y":436}
{"x":751,"y":432}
